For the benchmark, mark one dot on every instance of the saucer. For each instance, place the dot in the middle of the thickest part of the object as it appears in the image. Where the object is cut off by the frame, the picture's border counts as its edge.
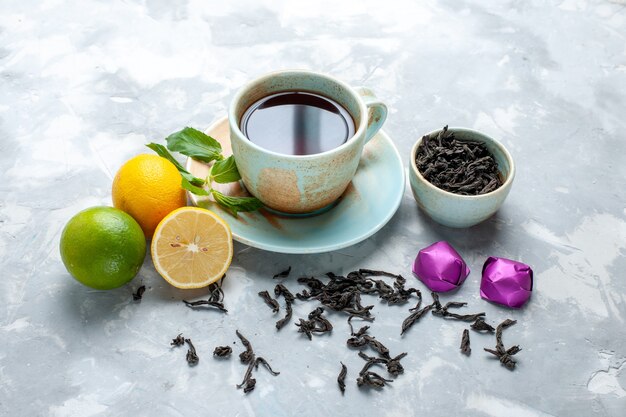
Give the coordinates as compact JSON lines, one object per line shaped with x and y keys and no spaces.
{"x":369,"y":202}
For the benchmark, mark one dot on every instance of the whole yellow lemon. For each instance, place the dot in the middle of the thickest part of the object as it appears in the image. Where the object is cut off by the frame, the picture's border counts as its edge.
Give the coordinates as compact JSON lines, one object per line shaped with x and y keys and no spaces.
{"x":148,"y":187}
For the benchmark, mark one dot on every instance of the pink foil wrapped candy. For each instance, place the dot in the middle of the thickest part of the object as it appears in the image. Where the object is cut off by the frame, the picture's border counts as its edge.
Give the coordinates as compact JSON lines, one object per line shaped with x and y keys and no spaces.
{"x":506,"y":282}
{"x":440,"y":267}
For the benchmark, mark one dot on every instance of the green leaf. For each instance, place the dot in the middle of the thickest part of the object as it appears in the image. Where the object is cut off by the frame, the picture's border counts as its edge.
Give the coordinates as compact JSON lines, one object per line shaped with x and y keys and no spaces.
{"x":198,"y":182}
{"x":193,"y":143}
{"x":236,"y":204}
{"x":225,"y":171}
{"x":163,"y":152}
{"x":192,"y":188}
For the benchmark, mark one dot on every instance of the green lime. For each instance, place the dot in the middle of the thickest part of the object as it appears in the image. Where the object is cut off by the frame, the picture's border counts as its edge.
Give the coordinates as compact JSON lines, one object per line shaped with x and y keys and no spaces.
{"x":103,"y":247}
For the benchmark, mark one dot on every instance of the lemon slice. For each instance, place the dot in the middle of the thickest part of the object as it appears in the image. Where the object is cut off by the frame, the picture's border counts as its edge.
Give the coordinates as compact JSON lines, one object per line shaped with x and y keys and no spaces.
{"x":192,"y":247}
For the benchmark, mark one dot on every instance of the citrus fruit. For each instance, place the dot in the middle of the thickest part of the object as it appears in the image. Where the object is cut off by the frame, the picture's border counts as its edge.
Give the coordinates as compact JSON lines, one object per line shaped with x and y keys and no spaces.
{"x":102,"y":247}
{"x":192,"y":247}
{"x":148,"y":187}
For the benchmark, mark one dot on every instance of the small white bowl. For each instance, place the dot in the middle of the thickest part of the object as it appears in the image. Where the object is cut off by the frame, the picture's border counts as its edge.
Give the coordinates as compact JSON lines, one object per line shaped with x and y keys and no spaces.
{"x":456,"y":210}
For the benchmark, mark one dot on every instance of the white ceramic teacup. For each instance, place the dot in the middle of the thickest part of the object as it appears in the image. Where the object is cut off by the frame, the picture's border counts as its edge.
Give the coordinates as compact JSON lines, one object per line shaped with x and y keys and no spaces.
{"x":302,"y":183}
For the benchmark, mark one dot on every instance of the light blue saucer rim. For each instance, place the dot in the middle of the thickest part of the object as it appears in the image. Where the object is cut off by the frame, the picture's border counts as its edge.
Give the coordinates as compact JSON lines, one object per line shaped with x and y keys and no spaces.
{"x":344,"y":244}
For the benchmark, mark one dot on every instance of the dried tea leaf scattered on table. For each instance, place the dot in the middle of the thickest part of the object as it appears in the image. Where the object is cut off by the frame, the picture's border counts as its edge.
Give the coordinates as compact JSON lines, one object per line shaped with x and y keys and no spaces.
{"x":283,"y":274}
{"x":465,"y":343}
{"x":137,"y":295}
{"x":222,"y":351}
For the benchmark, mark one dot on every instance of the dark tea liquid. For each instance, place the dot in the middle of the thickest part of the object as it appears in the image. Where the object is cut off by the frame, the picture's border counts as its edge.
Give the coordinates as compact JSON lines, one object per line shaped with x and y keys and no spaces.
{"x":297,"y":123}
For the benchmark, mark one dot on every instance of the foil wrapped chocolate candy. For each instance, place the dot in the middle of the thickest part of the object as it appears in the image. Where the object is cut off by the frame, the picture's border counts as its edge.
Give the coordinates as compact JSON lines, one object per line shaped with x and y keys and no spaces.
{"x":440,"y":267}
{"x":506,"y":282}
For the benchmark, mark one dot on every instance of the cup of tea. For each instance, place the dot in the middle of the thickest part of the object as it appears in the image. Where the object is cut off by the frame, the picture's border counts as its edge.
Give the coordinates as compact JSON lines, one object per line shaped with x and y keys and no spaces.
{"x":297,"y":137}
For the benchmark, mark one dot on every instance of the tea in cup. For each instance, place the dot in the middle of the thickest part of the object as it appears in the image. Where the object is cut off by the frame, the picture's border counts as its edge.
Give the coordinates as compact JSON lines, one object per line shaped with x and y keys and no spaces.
{"x":297,"y":137}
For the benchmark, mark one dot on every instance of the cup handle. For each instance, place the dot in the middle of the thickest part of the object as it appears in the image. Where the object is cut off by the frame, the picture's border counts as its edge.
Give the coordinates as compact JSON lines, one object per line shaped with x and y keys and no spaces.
{"x":376,"y":110}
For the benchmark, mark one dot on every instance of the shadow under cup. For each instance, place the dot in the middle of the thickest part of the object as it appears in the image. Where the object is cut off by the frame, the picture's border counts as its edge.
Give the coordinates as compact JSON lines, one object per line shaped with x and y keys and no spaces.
{"x":297,"y":184}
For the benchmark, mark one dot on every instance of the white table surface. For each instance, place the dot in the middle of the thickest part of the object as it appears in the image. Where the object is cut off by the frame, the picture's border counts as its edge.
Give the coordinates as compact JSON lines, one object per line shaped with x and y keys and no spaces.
{"x":85,"y":84}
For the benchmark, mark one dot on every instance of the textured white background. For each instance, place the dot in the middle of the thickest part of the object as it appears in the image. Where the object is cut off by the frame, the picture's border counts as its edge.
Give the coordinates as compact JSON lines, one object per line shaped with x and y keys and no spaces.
{"x":85,"y":84}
